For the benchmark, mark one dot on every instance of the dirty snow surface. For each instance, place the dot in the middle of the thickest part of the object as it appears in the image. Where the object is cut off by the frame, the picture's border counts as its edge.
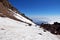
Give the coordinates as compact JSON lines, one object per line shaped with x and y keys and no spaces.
{"x":14,"y":30}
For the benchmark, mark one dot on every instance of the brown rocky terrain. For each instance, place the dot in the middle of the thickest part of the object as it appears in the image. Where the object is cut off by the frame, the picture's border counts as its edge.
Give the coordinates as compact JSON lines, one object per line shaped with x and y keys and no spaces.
{"x":7,"y":4}
{"x":53,"y":28}
{"x":4,"y":6}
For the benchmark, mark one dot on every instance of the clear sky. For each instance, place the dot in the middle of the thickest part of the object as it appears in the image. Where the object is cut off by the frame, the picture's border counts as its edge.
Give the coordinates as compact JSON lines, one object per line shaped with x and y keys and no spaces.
{"x":37,"y":7}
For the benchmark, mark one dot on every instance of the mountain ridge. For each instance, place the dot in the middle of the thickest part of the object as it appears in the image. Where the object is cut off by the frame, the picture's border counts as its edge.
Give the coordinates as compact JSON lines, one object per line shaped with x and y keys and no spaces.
{"x":7,"y":10}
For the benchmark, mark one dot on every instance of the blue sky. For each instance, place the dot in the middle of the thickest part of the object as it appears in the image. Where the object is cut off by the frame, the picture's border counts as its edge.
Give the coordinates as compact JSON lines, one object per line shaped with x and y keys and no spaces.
{"x":37,"y":7}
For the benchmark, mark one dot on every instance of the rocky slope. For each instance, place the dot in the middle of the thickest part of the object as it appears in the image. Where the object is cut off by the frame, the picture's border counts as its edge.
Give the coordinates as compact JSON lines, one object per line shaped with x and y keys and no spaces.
{"x":6,"y":10}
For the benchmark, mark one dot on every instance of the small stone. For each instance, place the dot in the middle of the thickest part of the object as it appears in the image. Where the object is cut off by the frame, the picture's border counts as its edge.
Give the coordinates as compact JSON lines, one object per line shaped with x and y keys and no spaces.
{"x":2,"y":29}
{"x":40,"y":33}
{"x":44,"y":30}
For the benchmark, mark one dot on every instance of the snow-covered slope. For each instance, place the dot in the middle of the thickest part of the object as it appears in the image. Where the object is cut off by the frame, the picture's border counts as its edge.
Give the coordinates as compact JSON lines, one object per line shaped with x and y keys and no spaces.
{"x":11,"y":29}
{"x":14,"y":30}
{"x":20,"y":17}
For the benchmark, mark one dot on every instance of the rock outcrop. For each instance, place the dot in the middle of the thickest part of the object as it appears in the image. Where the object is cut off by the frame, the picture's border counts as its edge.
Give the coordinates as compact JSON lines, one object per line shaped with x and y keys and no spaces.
{"x":53,"y":28}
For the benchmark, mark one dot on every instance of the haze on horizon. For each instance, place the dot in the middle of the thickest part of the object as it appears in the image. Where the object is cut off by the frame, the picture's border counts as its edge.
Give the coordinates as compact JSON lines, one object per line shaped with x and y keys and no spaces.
{"x":37,"y":7}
